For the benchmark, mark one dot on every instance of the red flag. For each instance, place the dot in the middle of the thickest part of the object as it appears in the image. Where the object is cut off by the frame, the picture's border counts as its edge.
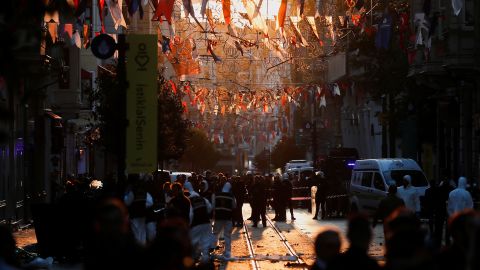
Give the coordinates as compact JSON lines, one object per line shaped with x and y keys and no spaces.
{"x":101,"y":5}
{"x":174,"y":87}
{"x":185,"y":107}
{"x":165,"y":8}
{"x":226,"y":11}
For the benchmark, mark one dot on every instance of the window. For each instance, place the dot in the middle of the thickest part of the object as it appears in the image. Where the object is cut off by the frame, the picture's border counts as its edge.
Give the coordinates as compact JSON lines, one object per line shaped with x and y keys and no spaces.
{"x":357,"y":178}
{"x":469,"y":10}
{"x":418,"y":178}
{"x":367,"y":179}
{"x":378,"y":182}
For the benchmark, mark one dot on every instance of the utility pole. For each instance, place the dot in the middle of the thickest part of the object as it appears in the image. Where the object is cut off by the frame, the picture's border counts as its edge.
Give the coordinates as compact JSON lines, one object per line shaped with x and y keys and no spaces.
{"x":123,"y":85}
{"x":314,"y":144}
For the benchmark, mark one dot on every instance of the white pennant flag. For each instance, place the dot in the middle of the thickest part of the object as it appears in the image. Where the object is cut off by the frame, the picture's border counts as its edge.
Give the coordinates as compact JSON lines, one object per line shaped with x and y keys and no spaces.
{"x":313,"y":25}
{"x":253,"y":12}
{"x":76,"y":40}
{"x":329,"y":21}
{"x":295,"y":21}
{"x":115,"y":8}
{"x":336,"y":90}
{"x":457,"y":6}
{"x":323,"y":102}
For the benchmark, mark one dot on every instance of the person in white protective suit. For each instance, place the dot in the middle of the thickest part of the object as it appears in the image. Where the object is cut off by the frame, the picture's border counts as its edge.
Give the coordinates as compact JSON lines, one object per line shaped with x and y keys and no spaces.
{"x":201,"y":228}
{"x":459,"y":199}
{"x":409,"y":195}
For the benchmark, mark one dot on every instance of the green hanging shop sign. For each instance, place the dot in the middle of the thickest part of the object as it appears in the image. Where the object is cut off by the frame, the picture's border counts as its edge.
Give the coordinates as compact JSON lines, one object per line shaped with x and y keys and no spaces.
{"x":141,"y":103}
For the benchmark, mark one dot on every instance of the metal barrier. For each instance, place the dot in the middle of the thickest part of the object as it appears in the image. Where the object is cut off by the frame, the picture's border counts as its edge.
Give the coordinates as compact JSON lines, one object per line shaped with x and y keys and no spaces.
{"x":299,"y":196}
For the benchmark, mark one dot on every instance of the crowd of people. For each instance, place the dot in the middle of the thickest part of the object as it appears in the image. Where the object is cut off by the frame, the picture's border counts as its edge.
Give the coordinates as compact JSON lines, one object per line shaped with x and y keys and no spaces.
{"x":152,"y":222}
{"x":407,"y":244}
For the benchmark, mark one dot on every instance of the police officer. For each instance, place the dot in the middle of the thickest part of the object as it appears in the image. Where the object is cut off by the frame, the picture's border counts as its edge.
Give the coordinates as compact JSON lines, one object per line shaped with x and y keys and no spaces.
{"x":287,"y":194}
{"x":259,"y":201}
{"x":138,"y":201}
{"x":278,"y":200}
{"x":320,"y":195}
{"x":201,"y":229}
{"x":239,"y":192}
{"x":223,"y":205}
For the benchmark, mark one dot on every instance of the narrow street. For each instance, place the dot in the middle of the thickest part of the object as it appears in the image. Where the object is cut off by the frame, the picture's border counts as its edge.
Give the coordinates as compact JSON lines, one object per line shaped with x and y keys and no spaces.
{"x":267,"y":249}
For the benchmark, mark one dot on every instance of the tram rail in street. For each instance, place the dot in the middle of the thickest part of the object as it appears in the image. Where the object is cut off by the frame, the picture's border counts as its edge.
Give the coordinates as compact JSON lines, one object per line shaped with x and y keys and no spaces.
{"x":298,"y":263}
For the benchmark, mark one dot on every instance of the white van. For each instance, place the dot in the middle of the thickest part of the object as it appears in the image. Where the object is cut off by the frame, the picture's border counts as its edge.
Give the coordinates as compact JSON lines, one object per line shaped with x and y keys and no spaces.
{"x":299,"y":163}
{"x":174,"y":175}
{"x":371,"y":178}
{"x":306,"y":171}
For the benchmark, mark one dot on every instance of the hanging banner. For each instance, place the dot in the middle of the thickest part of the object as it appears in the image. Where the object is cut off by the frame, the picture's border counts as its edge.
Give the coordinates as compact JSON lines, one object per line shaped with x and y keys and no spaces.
{"x":142,"y":104}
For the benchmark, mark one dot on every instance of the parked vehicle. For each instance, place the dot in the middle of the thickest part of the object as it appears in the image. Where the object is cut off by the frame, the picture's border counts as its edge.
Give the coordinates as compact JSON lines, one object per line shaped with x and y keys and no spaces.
{"x":371,"y":178}
{"x":337,"y":168}
{"x":302,"y":170}
{"x":299,"y":163}
{"x":174,"y":175}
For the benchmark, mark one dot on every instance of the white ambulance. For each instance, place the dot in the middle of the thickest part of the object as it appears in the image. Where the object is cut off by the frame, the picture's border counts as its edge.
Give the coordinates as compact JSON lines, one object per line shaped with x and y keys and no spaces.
{"x":371,"y":178}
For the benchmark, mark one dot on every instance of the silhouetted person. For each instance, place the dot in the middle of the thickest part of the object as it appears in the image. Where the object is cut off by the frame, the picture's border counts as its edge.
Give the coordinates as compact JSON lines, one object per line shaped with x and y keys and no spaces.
{"x":320,"y":195}
{"x":327,"y":247}
{"x":405,"y":242}
{"x":249,"y":182}
{"x":387,"y":206}
{"x":8,"y":259}
{"x":287,"y":194}
{"x":440,"y":212}
{"x":172,"y":249}
{"x":179,"y":205}
{"x":112,"y":246}
{"x":278,"y":200}
{"x":428,"y":204}
{"x":239,"y":192}
{"x":356,"y":257}
{"x":462,"y":225}
{"x":259,"y":201}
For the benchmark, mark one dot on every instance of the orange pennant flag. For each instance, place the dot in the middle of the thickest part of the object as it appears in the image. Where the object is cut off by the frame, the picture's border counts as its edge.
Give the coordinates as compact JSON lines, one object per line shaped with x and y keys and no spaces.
{"x":68,"y":28}
{"x":86,"y":39}
{"x":282,"y":12}
{"x":210,"y":18}
{"x":52,"y":30}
